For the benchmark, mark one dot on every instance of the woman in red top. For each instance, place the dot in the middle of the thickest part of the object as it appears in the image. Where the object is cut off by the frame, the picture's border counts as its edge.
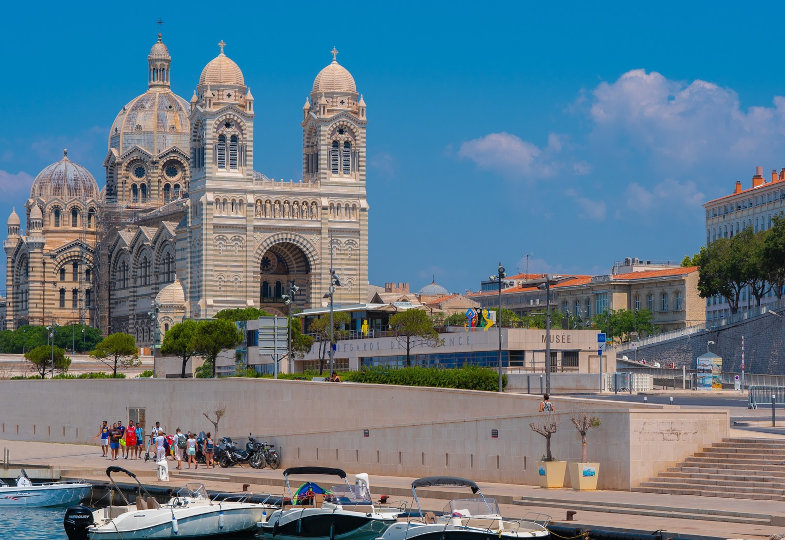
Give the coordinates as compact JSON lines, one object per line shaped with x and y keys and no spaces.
{"x":130,"y":439}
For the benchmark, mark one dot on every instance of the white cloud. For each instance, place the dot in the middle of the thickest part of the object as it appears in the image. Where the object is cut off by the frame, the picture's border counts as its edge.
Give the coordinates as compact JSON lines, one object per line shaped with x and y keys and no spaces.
{"x":668,"y":193}
{"x":684,"y":124}
{"x":593,"y":210}
{"x":511,"y":156}
{"x":15,"y":184}
{"x":383,"y":163}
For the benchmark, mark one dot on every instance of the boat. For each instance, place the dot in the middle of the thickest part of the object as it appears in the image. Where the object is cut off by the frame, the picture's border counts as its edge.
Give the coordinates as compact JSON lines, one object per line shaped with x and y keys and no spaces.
{"x":475,"y":518}
{"x":343,"y":512}
{"x":189,"y":514}
{"x":28,"y":494}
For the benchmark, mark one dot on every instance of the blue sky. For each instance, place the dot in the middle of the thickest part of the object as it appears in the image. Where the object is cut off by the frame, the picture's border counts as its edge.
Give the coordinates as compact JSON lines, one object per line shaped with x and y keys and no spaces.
{"x":579,"y":134}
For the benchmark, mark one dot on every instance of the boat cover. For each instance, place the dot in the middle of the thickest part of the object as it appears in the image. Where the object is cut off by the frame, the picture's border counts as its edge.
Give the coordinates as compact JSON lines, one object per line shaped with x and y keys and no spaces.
{"x":430,"y":481}
{"x":315,"y":470}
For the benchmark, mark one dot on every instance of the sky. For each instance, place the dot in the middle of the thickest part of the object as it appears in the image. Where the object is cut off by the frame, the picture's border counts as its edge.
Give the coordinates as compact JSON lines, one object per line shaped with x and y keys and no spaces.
{"x":577,"y":133}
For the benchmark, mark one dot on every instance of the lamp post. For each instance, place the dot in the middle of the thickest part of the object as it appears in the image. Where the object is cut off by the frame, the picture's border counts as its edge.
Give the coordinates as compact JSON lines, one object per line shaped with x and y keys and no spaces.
{"x":289,"y":300}
{"x":547,"y":333}
{"x":51,"y":334}
{"x":153,"y":314}
{"x":499,"y":278}
{"x":334,"y":282}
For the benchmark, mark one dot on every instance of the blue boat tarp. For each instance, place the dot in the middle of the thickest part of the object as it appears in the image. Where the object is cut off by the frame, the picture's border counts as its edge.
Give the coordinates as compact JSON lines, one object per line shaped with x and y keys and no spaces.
{"x":306,"y":492}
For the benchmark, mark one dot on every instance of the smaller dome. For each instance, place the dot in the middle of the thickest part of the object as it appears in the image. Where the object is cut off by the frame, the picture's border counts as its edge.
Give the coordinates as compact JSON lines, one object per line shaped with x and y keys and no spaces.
{"x":334,"y":78}
{"x":66,"y":180}
{"x":171,"y":295}
{"x":36,"y":213}
{"x":222,"y":70}
{"x":13,"y":219}
{"x":433,"y":289}
{"x":159,"y":51}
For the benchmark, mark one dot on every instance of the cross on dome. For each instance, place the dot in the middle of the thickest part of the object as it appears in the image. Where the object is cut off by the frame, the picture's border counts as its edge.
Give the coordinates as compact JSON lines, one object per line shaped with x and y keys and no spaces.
{"x":334,"y":53}
{"x":159,"y":22}
{"x":222,"y":45}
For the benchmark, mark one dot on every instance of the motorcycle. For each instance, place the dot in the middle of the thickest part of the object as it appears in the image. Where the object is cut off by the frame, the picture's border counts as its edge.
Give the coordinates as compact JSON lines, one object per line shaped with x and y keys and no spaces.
{"x":228,"y":454}
{"x":271,"y":455}
{"x":255,"y":451}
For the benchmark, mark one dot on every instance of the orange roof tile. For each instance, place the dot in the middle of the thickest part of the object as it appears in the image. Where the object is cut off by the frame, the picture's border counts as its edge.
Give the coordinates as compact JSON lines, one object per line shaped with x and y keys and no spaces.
{"x":742,"y":192}
{"x":441,"y":299}
{"x":656,"y":273}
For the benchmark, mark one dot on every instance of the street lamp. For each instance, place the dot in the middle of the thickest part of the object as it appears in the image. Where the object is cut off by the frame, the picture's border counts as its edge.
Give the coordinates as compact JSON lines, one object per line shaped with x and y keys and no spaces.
{"x":288,"y":299}
{"x":499,"y":278}
{"x":51,"y":334}
{"x":153,"y":314}
{"x":548,"y":278}
{"x":707,"y":345}
{"x":334,"y":282}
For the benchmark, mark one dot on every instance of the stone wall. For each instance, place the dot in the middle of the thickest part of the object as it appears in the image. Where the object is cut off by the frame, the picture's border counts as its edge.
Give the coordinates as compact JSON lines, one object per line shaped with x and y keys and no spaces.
{"x":764,"y":347}
{"x":410,"y":431}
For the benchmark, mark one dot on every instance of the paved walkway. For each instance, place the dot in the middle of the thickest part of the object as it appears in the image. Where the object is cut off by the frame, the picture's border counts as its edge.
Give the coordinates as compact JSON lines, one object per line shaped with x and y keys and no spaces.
{"x":703,"y":516}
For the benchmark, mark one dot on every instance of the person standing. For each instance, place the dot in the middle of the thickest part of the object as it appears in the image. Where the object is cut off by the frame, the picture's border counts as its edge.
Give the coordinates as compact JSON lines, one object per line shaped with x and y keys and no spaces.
{"x":121,"y":427}
{"x":114,"y":441}
{"x":546,"y":405}
{"x":190,"y":448}
{"x":103,"y":432}
{"x":130,"y":440}
{"x":139,"y":440}
{"x":153,"y":434}
{"x":209,"y":450}
{"x":160,"y":449}
{"x":179,"y":447}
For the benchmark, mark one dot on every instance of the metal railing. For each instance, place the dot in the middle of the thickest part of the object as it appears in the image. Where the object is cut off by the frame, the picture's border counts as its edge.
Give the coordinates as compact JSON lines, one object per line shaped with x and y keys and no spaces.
{"x":762,"y":395}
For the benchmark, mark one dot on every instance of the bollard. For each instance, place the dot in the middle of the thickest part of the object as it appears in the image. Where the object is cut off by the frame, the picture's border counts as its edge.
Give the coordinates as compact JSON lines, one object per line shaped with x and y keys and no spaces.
{"x":773,"y":418}
{"x":541,"y":389}
{"x":615,"y":383}
{"x":528,"y":384}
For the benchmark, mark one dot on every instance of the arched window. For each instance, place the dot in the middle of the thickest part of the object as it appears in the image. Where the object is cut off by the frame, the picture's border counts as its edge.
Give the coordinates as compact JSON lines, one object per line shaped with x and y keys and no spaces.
{"x":278,"y":289}
{"x":588,"y":307}
{"x":88,"y":298}
{"x":233,"y":207}
{"x":677,"y":301}
{"x":134,"y":193}
{"x":144,"y":192}
{"x":75,"y":298}
{"x":74,"y":217}
{"x":56,"y":214}
{"x":177,"y":191}
{"x":87,"y":275}
{"x":91,"y":218}
{"x":62,"y":298}
{"x":346,"y":158}
{"x":265,"y":289}
{"x":221,"y":152}
{"x":167,"y":192}
{"x":664,"y":302}
{"x":334,"y":158}
{"x":233,"y":153}
{"x":75,"y":270}
{"x":62,"y":273}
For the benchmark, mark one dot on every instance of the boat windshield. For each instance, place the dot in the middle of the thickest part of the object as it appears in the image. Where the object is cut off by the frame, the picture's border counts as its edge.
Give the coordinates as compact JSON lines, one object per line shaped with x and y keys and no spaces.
{"x":343,"y":494}
{"x":472,"y":507}
{"x":193,"y":490}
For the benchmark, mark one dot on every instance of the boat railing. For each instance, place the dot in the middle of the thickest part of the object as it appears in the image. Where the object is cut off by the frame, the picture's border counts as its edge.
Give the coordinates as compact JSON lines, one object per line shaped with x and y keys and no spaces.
{"x":231,"y":497}
{"x":538,"y":518}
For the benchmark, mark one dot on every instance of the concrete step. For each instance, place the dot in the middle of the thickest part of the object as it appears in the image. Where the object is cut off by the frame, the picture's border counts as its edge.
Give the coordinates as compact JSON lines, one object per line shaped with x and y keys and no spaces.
{"x":734,"y":484}
{"x":648,"y":510}
{"x":768,"y":472}
{"x":747,"y":462}
{"x":723,"y":478}
{"x":708,"y":493}
{"x":763,"y":442}
{"x":724,"y":454}
{"x":776,"y":445}
{"x":697,"y":487}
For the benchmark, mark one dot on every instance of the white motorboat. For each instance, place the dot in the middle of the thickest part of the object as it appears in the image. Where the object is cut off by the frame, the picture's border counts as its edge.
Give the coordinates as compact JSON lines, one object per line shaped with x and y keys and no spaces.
{"x":343,"y":512}
{"x":476,"y":518}
{"x":189,"y":514}
{"x":27,"y":493}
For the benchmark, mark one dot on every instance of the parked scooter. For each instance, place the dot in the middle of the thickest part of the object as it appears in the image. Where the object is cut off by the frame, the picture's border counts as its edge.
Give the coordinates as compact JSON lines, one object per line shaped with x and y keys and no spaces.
{"x":228,"y":454}
{"x":255,"y":451}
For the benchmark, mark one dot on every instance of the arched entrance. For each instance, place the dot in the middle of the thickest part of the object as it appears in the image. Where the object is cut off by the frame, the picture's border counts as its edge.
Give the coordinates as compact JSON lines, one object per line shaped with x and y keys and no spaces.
{"x":279,"y":265}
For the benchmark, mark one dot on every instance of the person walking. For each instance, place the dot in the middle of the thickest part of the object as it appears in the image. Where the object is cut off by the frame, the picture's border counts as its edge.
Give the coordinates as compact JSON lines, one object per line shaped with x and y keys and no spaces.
{"x":208,"y":450}
{"x":139,"y":440}
{"x":179,"y":447}
{"x":153,"y":434}
{"x":121,"y":427}
{"x":114,"y":441}
{"x":103,"y":432}
{"x":190,"y":448}
{"x":130,"y":440}
{"x":160,"y":449}
{"x":546,"y":405}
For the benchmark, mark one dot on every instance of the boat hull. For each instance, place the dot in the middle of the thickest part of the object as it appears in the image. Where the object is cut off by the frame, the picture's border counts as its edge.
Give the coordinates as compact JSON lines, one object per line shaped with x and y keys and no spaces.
{"x":318,"y":523}
{"x":438,"y":531}
{"x":43,"y":495}
{"x":196,"y":522}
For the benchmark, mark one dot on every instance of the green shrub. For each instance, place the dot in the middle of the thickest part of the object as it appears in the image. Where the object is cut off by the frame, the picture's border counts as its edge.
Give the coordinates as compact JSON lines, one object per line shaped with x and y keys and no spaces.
{"x":467,"y":377}
{"x":91,"y":375}
{"x":146,"y":374}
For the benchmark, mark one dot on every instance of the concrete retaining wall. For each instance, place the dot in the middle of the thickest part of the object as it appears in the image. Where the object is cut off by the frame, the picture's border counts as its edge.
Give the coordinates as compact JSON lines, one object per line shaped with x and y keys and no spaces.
{"x":560,"y":382}
{"x":411,"y":431}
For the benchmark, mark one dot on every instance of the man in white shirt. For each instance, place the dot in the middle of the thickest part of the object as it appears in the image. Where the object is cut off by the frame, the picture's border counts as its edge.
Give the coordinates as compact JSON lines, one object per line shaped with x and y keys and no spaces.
{"x":160,"y":451}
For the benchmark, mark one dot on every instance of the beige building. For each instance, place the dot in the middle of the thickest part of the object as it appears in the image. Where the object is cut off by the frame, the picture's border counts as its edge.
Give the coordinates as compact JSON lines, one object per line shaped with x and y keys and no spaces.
{"x":669,"y":292}
{"x":50,"y":263}
{"x":184,"y":208}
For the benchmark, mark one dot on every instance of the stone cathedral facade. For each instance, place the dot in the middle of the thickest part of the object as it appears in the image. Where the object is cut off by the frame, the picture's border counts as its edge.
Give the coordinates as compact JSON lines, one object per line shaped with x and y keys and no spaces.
{"x":186,"y":227}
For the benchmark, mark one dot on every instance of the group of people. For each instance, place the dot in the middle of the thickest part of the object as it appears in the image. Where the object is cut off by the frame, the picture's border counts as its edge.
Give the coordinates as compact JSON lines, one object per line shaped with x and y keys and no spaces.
{"x":127,"y":442}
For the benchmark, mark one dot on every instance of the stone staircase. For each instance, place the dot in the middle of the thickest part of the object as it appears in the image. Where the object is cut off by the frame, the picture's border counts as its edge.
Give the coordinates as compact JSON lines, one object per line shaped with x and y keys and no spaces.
{"x":736,"y":468}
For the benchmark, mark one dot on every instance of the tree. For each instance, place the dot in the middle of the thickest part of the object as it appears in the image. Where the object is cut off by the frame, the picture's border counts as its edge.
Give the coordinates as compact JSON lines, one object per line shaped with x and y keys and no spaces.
{"x":321,"y":327}
{"x":179,"y":341}
{"x":693,"y":260}
{"x":41,"y":358}
{"x":583,"y":423}
{"x":456,"y":319}
{"x":213,"y":336}
{"x":219,"y":413}
{"x":70,"y":336}
{"x":509,"y":318}
{"x":546,"y":428}
{"x":721,"y":272}
{"x":413,"y":327}
{"x":748,"y":248}
{"x":241,"y":314}
{"x":773,"y":255}
{"x":117,"y":350}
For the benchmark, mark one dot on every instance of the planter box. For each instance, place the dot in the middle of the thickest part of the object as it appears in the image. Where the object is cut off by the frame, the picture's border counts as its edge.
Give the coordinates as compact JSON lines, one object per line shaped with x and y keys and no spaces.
{"x":583,"y":476}
{"x":551,"y":473}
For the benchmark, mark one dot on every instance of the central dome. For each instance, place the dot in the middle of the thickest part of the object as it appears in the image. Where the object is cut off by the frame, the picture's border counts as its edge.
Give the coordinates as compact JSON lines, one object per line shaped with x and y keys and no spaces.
{"x":222,"y":70}
{"x":65,"y":180}
{"x":155,"y":121}
{"x":334,"y":78}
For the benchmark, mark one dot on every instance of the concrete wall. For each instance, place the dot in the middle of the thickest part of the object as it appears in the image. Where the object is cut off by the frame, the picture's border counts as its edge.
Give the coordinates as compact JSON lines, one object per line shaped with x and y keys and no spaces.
{"x":411,"y":431}
{"x":764,"y":347}
{"x":560,"y":382}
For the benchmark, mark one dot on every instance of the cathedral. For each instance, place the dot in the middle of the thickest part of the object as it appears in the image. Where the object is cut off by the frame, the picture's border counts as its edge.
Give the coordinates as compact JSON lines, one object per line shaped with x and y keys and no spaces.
{"x":185,"y":226}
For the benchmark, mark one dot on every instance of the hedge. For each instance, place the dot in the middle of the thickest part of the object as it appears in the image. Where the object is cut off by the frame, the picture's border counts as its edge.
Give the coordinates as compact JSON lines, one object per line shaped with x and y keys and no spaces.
{"x":91,"y":375}
{"x":467,"y":377}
